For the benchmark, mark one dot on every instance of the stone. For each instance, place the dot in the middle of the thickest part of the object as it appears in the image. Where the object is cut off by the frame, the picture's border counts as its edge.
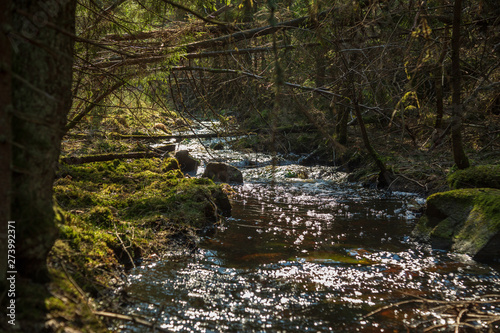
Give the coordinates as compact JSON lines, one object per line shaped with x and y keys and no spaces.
{"x":223,"y":172}
{"x":217,"y":146}
{"x":186,"y":162}
{"x":464,"y":221}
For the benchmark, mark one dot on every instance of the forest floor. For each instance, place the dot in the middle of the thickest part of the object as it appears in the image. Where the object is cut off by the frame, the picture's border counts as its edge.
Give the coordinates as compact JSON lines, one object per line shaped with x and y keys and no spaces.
{"x":117,"y":214}
{"x":423,"y":166}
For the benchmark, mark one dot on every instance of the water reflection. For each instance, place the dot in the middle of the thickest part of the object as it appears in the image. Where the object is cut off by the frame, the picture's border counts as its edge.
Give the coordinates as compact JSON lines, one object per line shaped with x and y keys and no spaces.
{"x":305,"y":256}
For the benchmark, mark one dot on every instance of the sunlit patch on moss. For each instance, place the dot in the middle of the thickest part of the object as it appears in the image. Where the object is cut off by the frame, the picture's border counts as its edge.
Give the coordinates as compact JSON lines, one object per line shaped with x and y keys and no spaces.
{"x":118,"y":211}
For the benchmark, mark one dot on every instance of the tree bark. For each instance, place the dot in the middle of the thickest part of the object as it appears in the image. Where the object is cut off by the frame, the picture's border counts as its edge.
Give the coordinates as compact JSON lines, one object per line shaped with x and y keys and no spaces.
{"x":438,"y":83}
{"x":459,"y":155}
{"x":341,"y":125}
{"x":42,"y":65}
{"x":5,"y":134}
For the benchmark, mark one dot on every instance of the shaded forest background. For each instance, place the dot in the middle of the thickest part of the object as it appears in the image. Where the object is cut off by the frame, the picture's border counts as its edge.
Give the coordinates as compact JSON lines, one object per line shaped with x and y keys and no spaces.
{"x":412,"y":87}
{"x":301,"y":73}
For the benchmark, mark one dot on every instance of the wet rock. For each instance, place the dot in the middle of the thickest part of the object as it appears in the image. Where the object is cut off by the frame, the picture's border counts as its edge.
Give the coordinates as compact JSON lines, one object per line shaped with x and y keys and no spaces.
{"x":217,"y":146}
{"x":186,"y":162}
{"x":165,"y":148}
{"x":222,"y":201}
{"x":223,"y":172}
{"x":465,"y":221}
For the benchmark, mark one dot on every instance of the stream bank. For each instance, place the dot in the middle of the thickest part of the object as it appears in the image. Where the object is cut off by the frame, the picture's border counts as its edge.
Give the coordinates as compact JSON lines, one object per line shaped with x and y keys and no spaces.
{"x":116,"y":215}
{"x":304,"y":250}
{"x":102,"y":256}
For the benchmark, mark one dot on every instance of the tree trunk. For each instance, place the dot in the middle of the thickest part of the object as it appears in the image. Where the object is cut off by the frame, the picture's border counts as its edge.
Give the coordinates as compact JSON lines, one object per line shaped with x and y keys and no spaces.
{"x":439,"y":99}
{"x":248,"y":11}
{"x":5,"y":135}
{"x":384,"y":175}
{"x":320,"y":62}
{"x":42,"y":65}
{"x":341,"y":125}
{"x":459,"y":155}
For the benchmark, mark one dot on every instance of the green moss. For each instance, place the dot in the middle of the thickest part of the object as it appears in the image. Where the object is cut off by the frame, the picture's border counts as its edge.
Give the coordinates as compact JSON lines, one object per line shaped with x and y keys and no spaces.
{"x":117,"y":211}
{"x":476,"y":177}
{"x":464,"y":220}
{"x":54,"y":304}
{"x":68,"y":308}
{"x":169,"y":164}
{"x":101,"y":216}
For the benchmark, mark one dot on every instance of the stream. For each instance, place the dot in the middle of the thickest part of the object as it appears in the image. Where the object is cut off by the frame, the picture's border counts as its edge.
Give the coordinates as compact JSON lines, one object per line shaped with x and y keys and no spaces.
{"x":304,"y":251}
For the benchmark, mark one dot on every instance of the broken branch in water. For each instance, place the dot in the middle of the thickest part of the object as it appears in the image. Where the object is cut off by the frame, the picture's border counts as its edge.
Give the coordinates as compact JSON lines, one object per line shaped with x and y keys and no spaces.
{"x":459,"y":313}
{"x":133,"y":319}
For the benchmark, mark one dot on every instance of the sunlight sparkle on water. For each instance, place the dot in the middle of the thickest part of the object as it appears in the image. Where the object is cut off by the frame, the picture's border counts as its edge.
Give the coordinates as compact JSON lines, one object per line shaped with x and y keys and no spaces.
{"x":303,"y":257}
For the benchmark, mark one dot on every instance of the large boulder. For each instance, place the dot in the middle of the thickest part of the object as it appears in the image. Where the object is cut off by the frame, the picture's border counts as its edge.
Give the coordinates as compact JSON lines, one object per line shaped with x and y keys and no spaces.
{"x":186,"y":162}
{"x":223,"y":172}
{"x":464,"y":221}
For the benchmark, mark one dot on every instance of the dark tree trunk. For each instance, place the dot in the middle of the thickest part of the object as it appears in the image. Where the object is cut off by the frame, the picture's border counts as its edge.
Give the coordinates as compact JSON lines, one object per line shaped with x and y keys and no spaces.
{"x":5,"y":134}
{"x":439,"y":100}
{"x":385,"y":176}
{"x":459,"y":155}
{"x":341,"y":125}
{"x":320,"y":60}
{"x":438,"y":81}
{"x":248,"y":10}
{"x":41,"y":93}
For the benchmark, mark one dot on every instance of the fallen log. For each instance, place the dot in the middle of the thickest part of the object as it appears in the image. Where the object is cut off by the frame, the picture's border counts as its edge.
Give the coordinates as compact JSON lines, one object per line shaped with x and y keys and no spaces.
{"x":176,"y":137}
{"x":160,"y":137}
{"x":108,"y":157}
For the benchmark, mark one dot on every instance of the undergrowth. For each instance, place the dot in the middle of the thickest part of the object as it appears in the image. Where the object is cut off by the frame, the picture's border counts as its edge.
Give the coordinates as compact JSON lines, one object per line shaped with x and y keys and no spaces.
{"x":117,"y":214}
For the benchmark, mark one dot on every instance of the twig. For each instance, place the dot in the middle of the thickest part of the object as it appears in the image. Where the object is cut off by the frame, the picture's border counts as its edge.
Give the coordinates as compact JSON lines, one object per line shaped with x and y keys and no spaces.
{"x":392,"y":306}
{"x":73,"y":282}
{"x":412,"y":180}
{"x":459,"y":316}
{"x":125,"y":248}
{"x":136,"y":320}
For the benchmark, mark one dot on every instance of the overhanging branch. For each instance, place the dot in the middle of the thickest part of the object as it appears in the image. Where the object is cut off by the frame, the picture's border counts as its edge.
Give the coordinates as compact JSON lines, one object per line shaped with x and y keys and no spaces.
{"x":254,"y":76}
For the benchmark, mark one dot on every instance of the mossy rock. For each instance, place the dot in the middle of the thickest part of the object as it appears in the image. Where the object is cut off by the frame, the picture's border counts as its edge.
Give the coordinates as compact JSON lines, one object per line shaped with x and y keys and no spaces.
{"x":476,"y":177}
{"x":170,"y":164}
{"x":464,"y":221}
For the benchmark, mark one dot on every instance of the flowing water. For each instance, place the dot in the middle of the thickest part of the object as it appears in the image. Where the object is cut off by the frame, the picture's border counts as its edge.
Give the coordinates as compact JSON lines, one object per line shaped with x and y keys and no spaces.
{"x":304,"y":251}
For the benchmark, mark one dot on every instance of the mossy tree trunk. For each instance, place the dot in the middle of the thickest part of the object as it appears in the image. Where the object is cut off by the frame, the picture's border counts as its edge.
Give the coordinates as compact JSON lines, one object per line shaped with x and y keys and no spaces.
{"x":5,"y":134}
{"x":248,"y":11}
{"x":459,"y":155}
{"x":41,"y":95}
